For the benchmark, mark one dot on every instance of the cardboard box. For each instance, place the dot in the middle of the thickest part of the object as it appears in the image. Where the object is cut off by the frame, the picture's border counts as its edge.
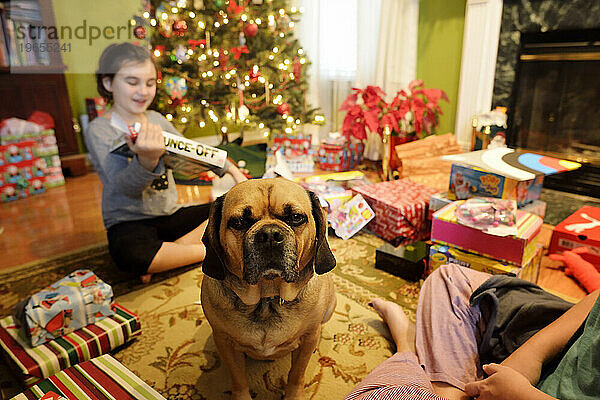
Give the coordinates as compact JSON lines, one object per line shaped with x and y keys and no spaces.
{"x":408,"y":262}
{"x":516,"y":249}
{"x":467,"y":181}
{"x":400,"y":210}
{"x":437,"y":201}
{"x":580,"y":229}
{"x":440,"y":254}
{"x":102,"y":374}
{"x":32,"y":364}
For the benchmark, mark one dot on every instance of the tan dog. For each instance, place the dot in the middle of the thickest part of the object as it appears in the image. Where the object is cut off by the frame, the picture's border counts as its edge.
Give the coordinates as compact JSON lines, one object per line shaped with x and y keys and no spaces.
{"x":265,"y":240}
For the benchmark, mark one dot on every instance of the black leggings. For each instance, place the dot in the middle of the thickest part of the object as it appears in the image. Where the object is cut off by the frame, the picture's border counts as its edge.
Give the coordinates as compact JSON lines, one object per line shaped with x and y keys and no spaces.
{"x":133,"y":244}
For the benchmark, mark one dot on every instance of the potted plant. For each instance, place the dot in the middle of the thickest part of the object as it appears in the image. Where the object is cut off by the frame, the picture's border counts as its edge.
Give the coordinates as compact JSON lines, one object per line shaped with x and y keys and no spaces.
{"x":412,"y":114}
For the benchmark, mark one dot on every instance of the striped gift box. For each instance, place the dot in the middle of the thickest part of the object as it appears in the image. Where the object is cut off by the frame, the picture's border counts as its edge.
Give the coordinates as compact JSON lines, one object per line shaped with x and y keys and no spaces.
{"x":36,"y":363}
{"x":100,"y":378}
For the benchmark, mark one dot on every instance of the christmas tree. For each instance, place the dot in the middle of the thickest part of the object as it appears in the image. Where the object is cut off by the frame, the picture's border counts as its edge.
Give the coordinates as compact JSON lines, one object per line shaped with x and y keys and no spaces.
{"x":233,"y":65}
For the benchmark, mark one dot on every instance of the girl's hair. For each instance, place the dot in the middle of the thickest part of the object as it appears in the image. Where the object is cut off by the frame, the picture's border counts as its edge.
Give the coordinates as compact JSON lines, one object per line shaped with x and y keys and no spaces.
{"x":112,"y":59}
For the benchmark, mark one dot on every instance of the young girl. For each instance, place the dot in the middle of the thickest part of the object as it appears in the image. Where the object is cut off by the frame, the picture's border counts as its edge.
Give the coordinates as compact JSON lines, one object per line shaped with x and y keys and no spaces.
{"x":148,"y":232}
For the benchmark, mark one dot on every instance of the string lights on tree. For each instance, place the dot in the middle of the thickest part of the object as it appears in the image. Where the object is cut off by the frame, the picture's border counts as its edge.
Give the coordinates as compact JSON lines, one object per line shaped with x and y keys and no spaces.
{"x":229,"y":64}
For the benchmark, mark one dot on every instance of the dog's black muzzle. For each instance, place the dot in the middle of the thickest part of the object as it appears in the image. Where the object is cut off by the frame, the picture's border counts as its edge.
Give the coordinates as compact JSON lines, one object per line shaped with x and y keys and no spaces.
{"x":269,"y":253}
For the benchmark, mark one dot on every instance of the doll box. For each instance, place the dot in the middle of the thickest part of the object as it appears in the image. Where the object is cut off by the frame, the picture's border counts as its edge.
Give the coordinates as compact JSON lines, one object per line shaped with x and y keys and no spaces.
{"x":516,"y":249}
{"x":580,"y":229}
{"x":32,"y":364}
{"x":99,"y":378}
{"x":400,"y":210}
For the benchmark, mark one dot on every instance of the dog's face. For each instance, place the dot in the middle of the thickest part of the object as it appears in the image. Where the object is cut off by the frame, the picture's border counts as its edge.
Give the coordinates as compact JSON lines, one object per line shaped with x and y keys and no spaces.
{"x":266,"y":230}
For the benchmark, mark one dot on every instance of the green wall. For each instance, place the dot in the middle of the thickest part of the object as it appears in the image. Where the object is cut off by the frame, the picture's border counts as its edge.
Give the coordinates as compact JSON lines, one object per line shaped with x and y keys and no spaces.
{"x":439,"y":51}
{"x":82,"y":60}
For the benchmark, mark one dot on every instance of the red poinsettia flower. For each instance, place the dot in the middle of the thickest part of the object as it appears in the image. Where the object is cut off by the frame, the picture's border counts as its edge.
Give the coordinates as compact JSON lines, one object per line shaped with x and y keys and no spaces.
{"x":372,"y":95}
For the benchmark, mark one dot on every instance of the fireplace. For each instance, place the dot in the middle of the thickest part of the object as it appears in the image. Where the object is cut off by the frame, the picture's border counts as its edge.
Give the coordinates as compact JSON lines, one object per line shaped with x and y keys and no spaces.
{"x":548,"y":76}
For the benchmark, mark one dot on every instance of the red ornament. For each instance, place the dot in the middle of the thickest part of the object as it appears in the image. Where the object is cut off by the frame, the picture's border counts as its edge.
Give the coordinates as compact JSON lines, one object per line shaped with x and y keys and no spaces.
{"x":250,"y":30}
{"x":283,"y":108}
{"x":179,"y":27}
{"x":139,"y":32}
{"x":253,"y":75}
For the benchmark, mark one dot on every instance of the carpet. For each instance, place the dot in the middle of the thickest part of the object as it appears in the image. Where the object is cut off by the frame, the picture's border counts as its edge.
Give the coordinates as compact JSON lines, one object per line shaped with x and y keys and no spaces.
{"x":176,"y":352}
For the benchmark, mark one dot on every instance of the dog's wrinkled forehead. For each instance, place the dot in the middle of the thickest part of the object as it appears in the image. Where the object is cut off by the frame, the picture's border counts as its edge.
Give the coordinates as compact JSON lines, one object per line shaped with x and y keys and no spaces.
{"x":263,"y":198}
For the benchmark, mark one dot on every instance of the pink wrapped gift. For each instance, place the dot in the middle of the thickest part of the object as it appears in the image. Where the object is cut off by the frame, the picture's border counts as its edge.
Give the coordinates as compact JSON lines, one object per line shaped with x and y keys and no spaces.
{"x":400,"y":210}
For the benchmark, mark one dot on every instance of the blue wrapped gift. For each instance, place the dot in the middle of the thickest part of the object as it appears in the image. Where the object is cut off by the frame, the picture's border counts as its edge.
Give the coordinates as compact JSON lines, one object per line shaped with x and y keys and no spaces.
{"x":75,"y":301}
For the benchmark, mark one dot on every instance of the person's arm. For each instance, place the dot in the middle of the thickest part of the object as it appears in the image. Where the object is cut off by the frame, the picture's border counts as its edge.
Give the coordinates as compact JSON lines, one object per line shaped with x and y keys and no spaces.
{"x":516,"y":376}
{"x":548,"y":342}
{"x":129,"y":177}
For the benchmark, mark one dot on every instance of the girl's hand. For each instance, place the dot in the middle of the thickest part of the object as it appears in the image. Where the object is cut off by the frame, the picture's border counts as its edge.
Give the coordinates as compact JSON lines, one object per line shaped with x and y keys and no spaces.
{"x":503,"y":383}
{"x":149,"y":146}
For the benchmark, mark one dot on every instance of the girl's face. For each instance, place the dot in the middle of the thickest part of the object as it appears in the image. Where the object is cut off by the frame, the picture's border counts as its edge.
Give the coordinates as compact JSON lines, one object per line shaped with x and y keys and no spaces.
{"x":133,"y":88}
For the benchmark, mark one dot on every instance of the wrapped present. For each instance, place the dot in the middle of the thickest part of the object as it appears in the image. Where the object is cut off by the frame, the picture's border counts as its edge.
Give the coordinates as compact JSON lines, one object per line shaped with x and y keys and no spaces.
{"x":19,"y":151}
{"x":77,"y":300}
{"x":338,"y":154}
{"x":516,"y":249}
{"x":99,"y":378}
{"x":295,"y":162}
{"x":440,"y":254}
{"x":299,"y":143}
{"x":33,"y":364}
{"x":400,"y":210}
{"x":467,"y":182}
{"x":580,"y":229}
{"x":408,"y":262}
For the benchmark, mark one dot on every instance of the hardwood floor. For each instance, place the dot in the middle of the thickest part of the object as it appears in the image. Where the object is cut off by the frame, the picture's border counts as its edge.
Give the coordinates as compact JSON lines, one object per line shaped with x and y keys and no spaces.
{"x":68,"y":218}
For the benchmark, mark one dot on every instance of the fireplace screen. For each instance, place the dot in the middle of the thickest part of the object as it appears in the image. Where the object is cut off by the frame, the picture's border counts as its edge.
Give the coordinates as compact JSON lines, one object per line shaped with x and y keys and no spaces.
{"x":557,"y":99}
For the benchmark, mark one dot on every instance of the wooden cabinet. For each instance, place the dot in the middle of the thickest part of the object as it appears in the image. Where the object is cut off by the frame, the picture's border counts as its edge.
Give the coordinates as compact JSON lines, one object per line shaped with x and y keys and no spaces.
{"x":34,"y":81}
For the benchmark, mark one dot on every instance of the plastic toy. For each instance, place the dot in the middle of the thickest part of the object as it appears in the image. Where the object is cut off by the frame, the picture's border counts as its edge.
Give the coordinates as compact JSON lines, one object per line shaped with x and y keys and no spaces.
{"x":578,"y":268}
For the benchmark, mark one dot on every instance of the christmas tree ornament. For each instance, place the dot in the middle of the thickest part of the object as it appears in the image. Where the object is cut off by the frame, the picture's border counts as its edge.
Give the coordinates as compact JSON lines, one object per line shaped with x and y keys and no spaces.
{"x":283,"y":109}
{"x":181,"y":3}
{"x":257,"y":2}
{"x":176,"y":87}
{"x":139,"y":32}
{"x":219,"y":3}
{"x":297,"y":69}
{"x":233,"y":8}
{"x":193,"y":43}
{"x":242,"y":39}
{"x":199,"y":4}
{"x":237,"y":51}
{"x":180,"y":27}
{"x":254,"y":74}
{"x":223,"y":59}
{"x":180,"y":53}
{"x":243,"y":112}
{"x":251,"y":29}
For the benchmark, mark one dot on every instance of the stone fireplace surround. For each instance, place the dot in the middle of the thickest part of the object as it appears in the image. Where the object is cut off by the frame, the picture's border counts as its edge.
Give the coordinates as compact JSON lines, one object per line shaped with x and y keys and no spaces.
{"x":491,"y":45}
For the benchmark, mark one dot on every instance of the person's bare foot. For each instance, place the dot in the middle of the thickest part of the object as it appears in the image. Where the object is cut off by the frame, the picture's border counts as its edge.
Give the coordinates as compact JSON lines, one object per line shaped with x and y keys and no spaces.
{"x":146,"y":278}
{"x":402,"y":330}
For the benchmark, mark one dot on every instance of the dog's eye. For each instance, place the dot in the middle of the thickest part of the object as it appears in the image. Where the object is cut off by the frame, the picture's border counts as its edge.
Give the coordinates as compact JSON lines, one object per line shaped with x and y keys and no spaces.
{"x":296,"y":219}
{"x":240,"y":223}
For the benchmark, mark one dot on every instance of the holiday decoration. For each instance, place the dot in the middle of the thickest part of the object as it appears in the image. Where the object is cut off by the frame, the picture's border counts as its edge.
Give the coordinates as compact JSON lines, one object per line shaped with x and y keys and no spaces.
{"x":180,"y":27}
{"x":251,"y":30}
{"x":283,"y":109}
{"x":175,"y":87}
{"x":139,"y":32}
{"x":225,"y":55}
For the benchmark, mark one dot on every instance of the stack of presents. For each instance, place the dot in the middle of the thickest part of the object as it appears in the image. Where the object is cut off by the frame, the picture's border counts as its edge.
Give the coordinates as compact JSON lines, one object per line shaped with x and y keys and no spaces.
{"x":488,"y":218}
{"x":29,"y":160}
{"x":334,"y":153}
{"x":59,"y":342}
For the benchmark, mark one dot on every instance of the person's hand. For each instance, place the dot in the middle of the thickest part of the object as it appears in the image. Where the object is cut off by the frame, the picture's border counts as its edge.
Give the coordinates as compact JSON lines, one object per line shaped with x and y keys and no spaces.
{"x":149,"y":145}
{"x":503,"y":383}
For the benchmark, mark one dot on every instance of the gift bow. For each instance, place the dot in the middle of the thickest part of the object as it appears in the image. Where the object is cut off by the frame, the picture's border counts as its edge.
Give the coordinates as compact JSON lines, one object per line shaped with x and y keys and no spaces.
{"x":237,"y":51}
{"x":233,"y":8}
{"x":193,"y":43}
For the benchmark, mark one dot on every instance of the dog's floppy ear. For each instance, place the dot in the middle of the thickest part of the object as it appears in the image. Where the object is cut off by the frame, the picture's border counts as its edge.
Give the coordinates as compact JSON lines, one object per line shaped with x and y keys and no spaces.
{"x":324,"y":259}
{"x":213,"y":264}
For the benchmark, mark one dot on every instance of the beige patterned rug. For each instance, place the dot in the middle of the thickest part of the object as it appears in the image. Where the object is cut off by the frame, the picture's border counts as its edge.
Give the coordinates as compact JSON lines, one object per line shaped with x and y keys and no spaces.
{"x":176,"y":353}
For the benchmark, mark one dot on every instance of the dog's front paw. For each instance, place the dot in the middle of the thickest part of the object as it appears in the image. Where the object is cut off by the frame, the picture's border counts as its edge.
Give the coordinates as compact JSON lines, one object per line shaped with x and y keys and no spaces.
{"x":241,"y":395}
{"x":295,"y":392}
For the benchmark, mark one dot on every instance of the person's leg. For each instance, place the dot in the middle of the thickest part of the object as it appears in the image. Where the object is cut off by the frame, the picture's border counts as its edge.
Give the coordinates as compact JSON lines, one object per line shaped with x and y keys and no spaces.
{"x":448,"y":328}
{"x":182,"y":234}
{"x":401,"y":329}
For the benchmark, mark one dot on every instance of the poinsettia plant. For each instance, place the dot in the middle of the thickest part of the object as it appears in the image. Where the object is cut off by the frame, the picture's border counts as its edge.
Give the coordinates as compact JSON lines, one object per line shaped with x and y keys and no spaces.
{"x":412,"y":113}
